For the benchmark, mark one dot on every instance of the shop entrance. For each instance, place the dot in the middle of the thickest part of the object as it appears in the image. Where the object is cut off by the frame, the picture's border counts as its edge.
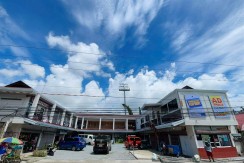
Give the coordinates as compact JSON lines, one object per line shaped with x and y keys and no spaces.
{"x":30,"y":141}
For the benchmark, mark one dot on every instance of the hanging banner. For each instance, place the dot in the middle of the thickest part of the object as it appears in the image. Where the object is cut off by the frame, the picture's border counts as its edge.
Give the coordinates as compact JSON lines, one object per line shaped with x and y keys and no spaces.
{"x":219,"y":108}
{"x":194,"y":106}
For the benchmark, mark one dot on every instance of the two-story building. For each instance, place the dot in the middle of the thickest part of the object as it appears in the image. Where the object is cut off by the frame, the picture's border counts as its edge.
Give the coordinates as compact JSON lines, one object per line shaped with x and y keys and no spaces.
{"x":38,"y":120}
{"x":190,"y":117}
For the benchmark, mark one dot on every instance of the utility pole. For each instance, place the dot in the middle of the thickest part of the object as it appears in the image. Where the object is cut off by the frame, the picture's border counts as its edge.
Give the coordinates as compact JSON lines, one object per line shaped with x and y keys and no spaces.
{"x":124,"y":87}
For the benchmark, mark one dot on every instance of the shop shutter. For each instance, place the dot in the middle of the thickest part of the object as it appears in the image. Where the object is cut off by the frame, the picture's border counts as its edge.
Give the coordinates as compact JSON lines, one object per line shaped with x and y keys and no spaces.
{"x":47,"y":138}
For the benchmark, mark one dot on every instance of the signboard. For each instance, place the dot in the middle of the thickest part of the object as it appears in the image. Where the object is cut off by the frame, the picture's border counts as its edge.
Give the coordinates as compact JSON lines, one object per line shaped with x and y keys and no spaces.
{"x":219,"y":108}
{"x":194,"y":105}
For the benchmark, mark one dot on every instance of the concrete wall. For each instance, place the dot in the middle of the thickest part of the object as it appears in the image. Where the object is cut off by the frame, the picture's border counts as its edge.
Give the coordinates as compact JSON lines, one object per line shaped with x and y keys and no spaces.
{"x":12,"y":104}
{"x":190,"y":143}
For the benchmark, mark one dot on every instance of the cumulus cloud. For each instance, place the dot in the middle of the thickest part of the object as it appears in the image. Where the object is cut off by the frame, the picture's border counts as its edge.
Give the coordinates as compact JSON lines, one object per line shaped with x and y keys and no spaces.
{"x":83,"y":59}
{"x":21,"y":68}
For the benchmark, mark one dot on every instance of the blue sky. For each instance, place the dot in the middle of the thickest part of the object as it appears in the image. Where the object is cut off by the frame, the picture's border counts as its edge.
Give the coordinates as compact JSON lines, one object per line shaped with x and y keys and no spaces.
{"x":89,"y":47}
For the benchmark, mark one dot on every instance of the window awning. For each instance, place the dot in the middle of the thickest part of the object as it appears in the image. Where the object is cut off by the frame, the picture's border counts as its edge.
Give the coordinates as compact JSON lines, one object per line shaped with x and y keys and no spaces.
{"x":212,"y":132}
{"x":171,"y":124}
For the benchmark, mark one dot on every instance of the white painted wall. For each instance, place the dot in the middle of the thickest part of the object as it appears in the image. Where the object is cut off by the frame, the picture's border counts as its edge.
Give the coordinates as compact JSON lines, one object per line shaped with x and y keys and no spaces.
{"x":191,"y":141}
{"x":19,"y":101}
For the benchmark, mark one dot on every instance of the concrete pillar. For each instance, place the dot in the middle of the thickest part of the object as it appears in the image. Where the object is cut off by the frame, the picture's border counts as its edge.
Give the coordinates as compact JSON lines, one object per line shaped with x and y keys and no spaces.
{"x":52,"y":113}
{"x":126,"y":124}
{"x":39,"y":140}
{"x":100,"y":123}
{"x":86,"y":124}
{"x":169,"y":137}
{"x":4,"y":129}
{"x":71,"y":119}
{"x":76,"y":121}
{"x":113,"y":123}
{"x":82,"y":123}
{"x":62,"y":119}
{"x":33,"y":106}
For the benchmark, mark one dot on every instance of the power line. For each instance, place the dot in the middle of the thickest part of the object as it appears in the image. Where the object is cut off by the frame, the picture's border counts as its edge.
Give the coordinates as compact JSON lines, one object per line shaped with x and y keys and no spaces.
{"x":166,"y":60}
{"x":176,"y":71}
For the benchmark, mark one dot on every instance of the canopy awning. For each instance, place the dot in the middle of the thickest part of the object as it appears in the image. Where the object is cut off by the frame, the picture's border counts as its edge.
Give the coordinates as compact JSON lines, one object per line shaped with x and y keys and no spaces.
{"x":43,"y":124}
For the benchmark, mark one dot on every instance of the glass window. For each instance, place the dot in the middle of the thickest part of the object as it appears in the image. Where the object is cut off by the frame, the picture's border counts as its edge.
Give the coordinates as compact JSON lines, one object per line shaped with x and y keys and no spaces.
{"x":173,"y":105}
{"x":199,"y":137}
{"x":164,"y":109}
{"x":215,"y":139}
{"x":153,"y":115}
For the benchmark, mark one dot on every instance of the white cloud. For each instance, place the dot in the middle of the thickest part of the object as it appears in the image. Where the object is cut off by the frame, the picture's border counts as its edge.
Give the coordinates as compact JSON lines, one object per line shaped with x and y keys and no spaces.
{"x":115,"y":16}
{"x":9,"y":73}
{"x":33,"y":70}
{"x":83,"y":59}
{"x":21,"y":68}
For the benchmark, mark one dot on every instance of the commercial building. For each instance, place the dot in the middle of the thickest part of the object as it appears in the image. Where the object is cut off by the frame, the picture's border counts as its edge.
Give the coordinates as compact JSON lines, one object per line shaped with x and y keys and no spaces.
{"x":38,"y":120}
{"x":185,"y":117}
{"x":190,"y":117}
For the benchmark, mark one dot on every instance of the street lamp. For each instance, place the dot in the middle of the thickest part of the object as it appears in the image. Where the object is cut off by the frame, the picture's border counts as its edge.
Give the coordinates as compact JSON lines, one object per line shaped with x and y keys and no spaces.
{"x":124,"y":87}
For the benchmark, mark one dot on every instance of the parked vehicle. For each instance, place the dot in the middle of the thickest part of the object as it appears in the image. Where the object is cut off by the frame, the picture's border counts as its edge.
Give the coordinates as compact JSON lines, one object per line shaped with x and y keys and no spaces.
{"x":102,"y":143}
{"x":50,"y":150}
{"x":73,"y":143}
{"x":132,"y":141}
{"x":145,"y":144}
{"x":89,"y":138}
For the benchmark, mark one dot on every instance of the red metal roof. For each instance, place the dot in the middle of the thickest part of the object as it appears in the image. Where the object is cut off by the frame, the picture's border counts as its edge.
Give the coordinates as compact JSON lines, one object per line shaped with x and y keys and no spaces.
{"x":240,"y":120}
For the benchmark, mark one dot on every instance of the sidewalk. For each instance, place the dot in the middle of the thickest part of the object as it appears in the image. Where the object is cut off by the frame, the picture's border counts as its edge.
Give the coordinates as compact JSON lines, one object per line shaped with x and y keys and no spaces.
{"x":28,"y":158}
{"x":147,"y":155}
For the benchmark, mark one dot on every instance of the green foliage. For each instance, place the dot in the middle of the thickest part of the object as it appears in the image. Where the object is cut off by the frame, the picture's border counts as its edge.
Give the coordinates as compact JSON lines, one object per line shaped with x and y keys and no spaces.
{"x":128,"y":109}
{"x":40,"y":153}
{"x":120,"y":141}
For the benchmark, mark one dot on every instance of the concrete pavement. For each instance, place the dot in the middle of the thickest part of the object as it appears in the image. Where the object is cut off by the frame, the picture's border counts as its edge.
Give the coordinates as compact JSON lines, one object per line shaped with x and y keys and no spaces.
{"x":147,"y":155}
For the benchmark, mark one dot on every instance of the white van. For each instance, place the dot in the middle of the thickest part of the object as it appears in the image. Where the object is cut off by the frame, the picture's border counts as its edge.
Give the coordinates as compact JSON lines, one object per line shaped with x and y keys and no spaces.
{"x":89,"y":138}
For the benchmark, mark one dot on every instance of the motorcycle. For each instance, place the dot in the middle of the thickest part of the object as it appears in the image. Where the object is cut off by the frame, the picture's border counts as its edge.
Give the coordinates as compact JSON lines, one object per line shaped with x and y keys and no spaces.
{"x":50,"y":150}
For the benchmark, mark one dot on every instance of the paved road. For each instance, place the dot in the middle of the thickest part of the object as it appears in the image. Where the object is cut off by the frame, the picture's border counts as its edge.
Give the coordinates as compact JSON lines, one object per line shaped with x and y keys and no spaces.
{"x":118,"y":153}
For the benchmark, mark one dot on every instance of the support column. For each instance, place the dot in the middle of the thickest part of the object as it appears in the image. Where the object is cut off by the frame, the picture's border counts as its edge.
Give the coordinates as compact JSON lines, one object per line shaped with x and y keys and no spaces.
{"x":169,"y":137}
{"x":62,"y":119}
{"x":71,"y":119}
{"x":4,"y":130}
{"x":39,"y":140}
{"x":113,"y":123}
{"x":76,"y":121}
{"x":86,"y":124}
{"x":100,"y":123}
{"x":82,"y":123}
{"x":126,"y":124}
{"x":33,"y":106}
{"x":52,"y":113}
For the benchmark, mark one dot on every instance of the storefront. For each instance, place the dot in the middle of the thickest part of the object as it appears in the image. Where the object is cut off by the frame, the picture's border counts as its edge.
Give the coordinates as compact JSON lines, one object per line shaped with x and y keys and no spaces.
{"x":220,"y":139}
{"x":30,"y":141}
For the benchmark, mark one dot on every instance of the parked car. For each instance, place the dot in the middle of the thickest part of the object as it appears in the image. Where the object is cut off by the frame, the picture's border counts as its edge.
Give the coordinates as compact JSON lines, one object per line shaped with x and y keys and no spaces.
{"x":102,"y":143}
{"x":89,"y":138}
{"x":132,"y":141}
{"x":145,"y":144}
{"x":73,"y":143}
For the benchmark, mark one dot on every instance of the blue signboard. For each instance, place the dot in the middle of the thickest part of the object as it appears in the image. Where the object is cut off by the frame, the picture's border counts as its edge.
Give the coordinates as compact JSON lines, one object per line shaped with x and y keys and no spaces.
{"x":194,"y":105}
